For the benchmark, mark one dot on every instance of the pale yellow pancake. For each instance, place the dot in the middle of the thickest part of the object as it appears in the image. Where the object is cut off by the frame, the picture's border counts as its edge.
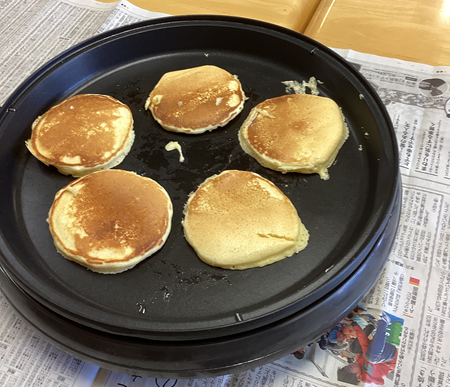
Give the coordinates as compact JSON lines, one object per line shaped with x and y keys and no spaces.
{"x":239,"y":220}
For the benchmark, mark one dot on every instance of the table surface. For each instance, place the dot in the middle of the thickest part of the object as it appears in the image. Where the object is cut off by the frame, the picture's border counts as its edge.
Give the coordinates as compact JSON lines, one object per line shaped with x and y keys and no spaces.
{"x":413,"y":30}
{"x":292,"y":14}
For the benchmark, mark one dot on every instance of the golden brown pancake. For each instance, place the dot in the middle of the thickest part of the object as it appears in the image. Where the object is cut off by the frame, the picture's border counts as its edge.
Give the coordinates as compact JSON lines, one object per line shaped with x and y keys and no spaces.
{"x":196,"y":100}
{"x":83,"y":134}
{"x":295,"y":133}
{"x":110,"y":220}
{"x":240,"y":220}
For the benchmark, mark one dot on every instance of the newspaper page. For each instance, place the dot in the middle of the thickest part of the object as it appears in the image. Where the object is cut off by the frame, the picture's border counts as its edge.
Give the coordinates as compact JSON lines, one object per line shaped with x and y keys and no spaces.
{"x":28,"y":359}
{"x":397,"y":335}
{"x":410,"y":299}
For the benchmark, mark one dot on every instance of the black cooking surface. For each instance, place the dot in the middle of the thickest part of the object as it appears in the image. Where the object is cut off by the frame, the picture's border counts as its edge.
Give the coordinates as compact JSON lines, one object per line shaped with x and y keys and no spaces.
{"x":174,"y":295}
{"x":216,"y":356}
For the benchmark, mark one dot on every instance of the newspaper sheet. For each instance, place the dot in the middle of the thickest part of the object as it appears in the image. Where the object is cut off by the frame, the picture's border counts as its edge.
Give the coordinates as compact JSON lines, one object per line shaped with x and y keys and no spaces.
{"x":397,"y":335}
{"x":28,"y":359}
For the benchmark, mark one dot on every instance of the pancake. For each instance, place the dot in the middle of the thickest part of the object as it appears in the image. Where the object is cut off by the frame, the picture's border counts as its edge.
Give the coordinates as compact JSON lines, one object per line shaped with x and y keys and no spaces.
{"x":111,"y":220}
{"x":295,"y":133}
{"x":83,"y":134}
{"x":196,"y":100}
{"x":240,"y":220}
